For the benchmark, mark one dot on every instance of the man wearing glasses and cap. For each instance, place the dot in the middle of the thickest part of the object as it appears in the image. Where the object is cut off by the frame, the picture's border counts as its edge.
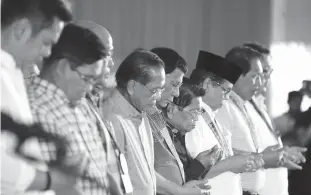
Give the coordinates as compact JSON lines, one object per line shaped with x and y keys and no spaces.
{"x":217,"y":76}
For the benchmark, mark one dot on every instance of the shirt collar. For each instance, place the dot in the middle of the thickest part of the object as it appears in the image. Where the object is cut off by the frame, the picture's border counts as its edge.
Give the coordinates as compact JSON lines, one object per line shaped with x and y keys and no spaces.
{"x":47,"y":88}
{"x":7,"y":60}
{"x":208,"y":111}
{"x":125,"y":106}
{"x":173,"y":131}
{"x":237,"y":98}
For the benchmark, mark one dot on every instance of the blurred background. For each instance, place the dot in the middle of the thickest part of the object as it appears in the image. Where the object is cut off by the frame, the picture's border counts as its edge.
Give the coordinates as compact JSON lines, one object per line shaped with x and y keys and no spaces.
{"x":214,"y":25}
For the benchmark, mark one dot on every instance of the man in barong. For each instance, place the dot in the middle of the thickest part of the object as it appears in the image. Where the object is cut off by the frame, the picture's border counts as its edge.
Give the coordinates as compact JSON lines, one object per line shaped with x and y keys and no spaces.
{"x":217,"y":76}
{"x":237,"y":115}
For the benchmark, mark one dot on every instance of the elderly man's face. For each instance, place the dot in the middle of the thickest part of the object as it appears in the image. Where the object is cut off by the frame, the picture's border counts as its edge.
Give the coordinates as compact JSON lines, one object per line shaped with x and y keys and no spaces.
{"x":173,"y":82}
{"x":184,"y":119}
{"x":145,"y":96}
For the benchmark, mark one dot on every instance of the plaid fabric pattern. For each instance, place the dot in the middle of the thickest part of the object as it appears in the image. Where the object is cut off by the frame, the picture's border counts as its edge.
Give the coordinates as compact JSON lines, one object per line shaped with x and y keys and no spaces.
{"x":52,"y":109}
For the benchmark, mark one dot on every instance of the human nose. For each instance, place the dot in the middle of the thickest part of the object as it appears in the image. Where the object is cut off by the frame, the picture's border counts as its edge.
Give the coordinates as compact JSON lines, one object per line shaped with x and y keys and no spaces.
{"x":175,"y":91}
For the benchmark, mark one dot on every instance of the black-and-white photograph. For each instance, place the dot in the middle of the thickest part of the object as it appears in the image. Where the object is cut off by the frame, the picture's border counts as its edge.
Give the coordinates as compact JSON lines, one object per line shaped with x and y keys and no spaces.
{"x":155,"y":97}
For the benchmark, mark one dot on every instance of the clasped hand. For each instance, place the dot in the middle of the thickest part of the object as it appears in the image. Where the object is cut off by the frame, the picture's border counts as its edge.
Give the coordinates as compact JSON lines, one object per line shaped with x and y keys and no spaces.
{"x":210,"y":157}
{"x":245,"y":162}
{"x":289,"y":157}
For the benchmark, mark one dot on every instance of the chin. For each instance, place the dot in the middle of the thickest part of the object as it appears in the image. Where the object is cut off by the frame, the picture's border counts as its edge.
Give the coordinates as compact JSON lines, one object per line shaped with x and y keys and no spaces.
{"x":162,"y":103}
{"x":191,"y":128}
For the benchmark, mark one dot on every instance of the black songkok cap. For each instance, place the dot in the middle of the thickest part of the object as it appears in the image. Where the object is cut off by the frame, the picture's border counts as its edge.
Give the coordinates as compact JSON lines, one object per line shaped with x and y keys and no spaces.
{"x":219,"y":66}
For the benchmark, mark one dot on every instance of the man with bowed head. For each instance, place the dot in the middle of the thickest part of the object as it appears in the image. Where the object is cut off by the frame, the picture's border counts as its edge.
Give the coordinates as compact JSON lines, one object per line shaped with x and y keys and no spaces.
{"x":29,"y":29}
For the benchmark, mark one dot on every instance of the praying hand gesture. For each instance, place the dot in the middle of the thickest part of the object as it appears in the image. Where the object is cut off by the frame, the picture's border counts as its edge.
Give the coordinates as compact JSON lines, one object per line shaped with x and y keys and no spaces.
{"x":210,"y":157}
{"x":293,"y":157}
{"x":289,"y":157}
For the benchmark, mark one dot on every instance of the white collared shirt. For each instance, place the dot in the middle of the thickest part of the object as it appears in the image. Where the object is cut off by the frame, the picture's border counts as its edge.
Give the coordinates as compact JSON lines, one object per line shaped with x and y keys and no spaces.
{"x":201,"y":139}
{"x":231,"y":118}
{"x":16,"y":174}
{"x":276,"y":179}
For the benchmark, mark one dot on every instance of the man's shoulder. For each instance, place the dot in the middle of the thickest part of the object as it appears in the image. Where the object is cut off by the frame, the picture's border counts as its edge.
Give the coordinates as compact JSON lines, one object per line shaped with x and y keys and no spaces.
{"x":46,"y":108}
{"x":7,"y":60}
{"x":42,"y":103}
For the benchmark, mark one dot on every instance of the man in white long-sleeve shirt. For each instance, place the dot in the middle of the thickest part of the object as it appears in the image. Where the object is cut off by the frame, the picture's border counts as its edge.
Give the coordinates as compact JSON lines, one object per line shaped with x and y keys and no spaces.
{"x":217,"y":76}
{"x":29,"y":29}
{"x":237,"y":116}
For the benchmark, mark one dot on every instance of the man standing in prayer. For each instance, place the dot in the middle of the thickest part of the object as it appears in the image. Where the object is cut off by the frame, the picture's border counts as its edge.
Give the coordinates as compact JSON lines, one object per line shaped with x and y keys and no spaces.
{"x":236,"y":115}
{"x":57,"y":102}
{"x":168,"y":165}
{"x":217,"y":76}
{"x":140,"y":79}
{"x":29,"y":28}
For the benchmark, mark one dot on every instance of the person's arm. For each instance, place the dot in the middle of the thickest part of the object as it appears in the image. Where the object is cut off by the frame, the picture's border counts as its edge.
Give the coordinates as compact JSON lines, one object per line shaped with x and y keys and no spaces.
{"x":20,"y":178}
{"x":236,"y":164}
{"x":271,"y":155}
{"x":199,"y":166}
{"x":167,"y":187}
{"x":195,"y":170}
{"x":219,"y":168}
{"x":238,"y":152}
{"x":24,"y":176}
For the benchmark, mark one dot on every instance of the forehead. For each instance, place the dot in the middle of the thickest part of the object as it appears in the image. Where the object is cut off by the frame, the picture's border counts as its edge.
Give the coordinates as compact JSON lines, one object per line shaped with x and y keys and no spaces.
{"x":256,"y":66}
{"x":92,"y":69}
{"x":54,"y":28}
{"x":226,"y":84}
{"x":266,"y":62}
{"x":158,"y":77}
{"x":196,"y":104}
{"x":175,"y":76}
{"x":109,"y":43}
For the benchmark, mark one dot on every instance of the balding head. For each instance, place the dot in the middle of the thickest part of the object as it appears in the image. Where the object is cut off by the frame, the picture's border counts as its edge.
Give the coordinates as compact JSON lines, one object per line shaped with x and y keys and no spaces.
{"x":103,"y":34}
{"x":100,"y":31}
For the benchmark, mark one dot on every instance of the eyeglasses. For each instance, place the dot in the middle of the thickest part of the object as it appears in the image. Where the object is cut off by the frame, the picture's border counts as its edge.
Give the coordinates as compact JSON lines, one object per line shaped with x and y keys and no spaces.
{"x":225,"y":91}
{"x":194,"y":113}
{"x":158,"y":90}
{"x":86,"y":78}
{"x":267,"y":72}
{"x":176,"y":85}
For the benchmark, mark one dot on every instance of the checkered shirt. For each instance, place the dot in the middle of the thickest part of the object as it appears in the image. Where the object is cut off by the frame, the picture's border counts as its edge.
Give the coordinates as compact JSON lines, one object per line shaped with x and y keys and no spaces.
{"x":52,"y":109}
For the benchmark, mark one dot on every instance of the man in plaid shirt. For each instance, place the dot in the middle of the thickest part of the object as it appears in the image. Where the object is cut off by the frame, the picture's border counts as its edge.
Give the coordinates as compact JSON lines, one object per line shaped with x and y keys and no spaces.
{"x":56,"y":99}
